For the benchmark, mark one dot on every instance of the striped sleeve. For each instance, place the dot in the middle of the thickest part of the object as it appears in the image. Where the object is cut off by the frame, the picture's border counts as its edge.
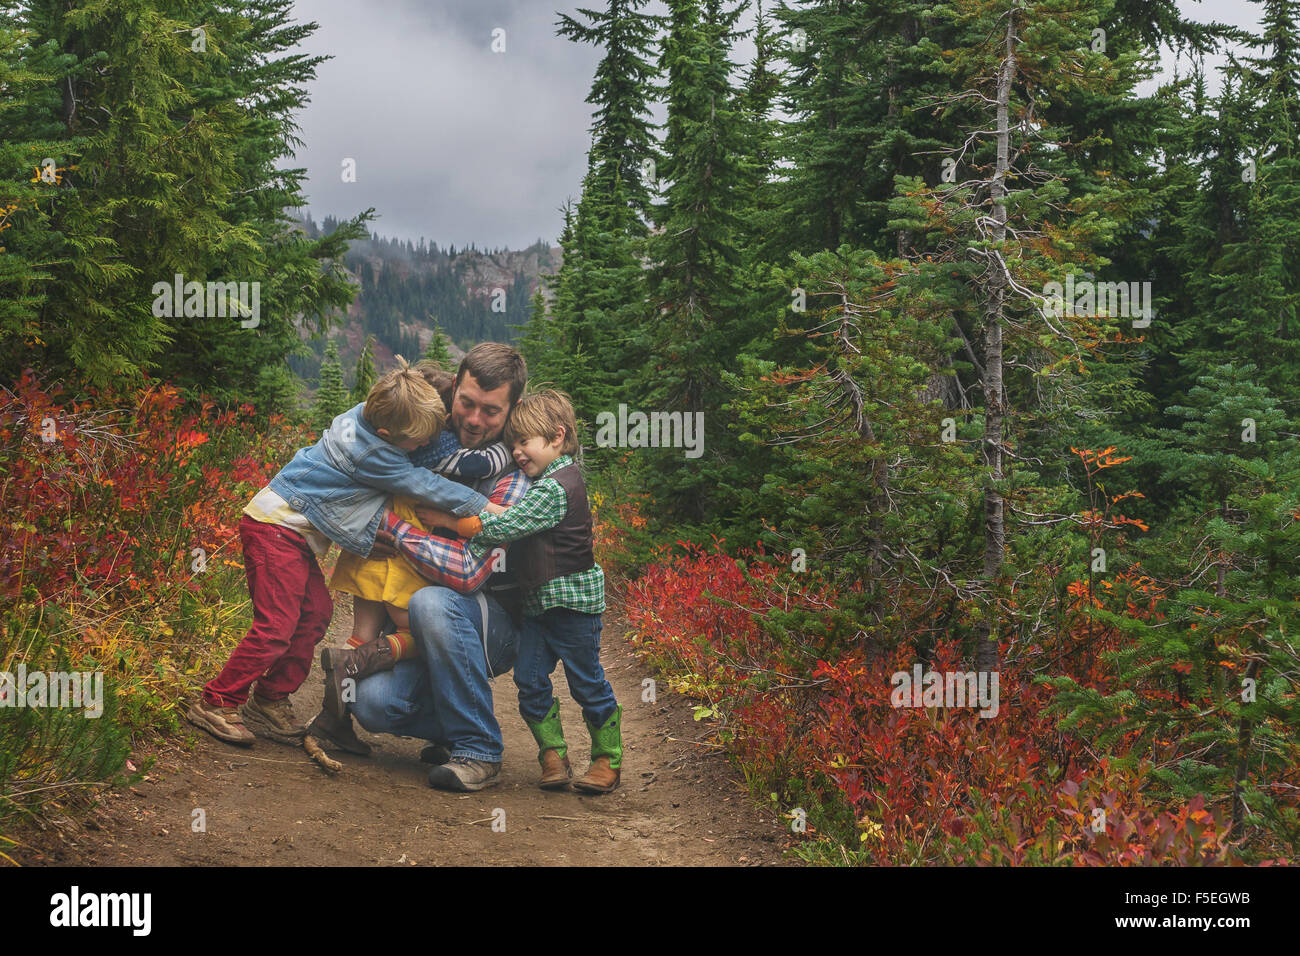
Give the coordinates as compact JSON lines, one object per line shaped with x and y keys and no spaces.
{"x":475,"y":462}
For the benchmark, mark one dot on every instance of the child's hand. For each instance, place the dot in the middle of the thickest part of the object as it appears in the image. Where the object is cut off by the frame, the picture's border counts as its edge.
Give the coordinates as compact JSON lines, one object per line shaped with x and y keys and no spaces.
{"x":435,"y":518}
{"x":385,"y":545}
{"x":493,"y":508}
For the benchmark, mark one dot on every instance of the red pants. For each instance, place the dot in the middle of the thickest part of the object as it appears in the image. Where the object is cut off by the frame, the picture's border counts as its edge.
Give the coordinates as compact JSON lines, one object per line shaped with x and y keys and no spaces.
{"x":292,"y":608}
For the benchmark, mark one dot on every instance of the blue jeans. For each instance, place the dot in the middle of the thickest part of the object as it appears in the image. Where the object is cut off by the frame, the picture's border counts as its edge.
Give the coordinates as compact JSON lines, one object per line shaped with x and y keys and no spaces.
{"x":562,"y":635}
{"x":444,"y":696}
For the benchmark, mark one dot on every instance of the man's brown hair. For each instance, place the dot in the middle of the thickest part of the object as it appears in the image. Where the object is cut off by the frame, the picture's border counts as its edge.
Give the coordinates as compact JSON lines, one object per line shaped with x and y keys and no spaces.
{"x":404,"y":402}
{"x":540,"y":415}
{"x":494,"y":364}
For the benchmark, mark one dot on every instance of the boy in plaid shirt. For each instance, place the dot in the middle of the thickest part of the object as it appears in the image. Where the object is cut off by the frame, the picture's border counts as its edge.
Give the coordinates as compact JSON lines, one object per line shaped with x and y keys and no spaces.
{"x":564,"y":591}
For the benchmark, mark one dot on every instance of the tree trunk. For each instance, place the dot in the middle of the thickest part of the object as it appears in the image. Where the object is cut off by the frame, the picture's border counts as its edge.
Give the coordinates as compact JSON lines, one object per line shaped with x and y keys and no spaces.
{"x":995,"y":412}
{"x":1244,"y":731}
{"x":878,"y":499}
{"x":1221,"y":573}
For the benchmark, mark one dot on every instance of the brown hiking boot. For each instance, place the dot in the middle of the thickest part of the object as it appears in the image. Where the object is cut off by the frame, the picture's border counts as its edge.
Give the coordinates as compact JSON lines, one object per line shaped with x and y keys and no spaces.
{"x":224,"y":723}
{"x":599,"y":778}
{"x":274,"y":720}
{"x":342,"y":664}
{"x":556,"y":772}
{"x":335,"y":734}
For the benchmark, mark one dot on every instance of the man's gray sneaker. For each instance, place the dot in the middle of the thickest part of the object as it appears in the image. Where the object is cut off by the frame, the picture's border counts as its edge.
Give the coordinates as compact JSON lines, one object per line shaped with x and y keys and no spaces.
{"x":464,"y":775}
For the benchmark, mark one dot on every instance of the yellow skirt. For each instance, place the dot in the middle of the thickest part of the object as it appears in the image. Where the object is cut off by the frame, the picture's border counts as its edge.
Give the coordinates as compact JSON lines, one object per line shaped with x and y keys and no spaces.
{"x":391,"y":580}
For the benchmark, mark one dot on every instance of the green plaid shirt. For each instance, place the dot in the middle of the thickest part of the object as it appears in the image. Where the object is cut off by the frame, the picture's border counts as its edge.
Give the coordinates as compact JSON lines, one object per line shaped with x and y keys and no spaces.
{"x":544,"y":506}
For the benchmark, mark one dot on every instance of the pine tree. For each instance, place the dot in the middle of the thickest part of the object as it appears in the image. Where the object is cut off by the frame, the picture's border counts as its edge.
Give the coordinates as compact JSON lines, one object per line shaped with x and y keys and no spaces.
{"x":28,"y":187}
{"x":690,"y":325}
{"x":167,"y":123}
{"x":1204,"y":688}
{"x":1009,"y":222}
{"x":1237,"y":258}
{"x":122,"y":193}
{"x":878,"y":512}
{"x":436,"y":350}
{"x":860,"y":97}
{"x":263,"y":79}
{"x":365,"y":376}
{"x":331,"y":395}
{"x":587,"y":341}
{"x":622,"y":150}
{"x":550,"y":338}
{"x":541,"y":353}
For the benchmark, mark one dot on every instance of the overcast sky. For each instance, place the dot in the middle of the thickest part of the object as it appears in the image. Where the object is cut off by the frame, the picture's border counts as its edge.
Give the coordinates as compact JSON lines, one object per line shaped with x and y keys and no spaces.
{"x":453,"y":141}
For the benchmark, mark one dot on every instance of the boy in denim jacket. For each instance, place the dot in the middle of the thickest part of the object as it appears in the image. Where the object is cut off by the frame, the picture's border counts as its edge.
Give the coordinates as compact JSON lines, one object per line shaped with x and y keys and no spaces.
{"x":333,"y":491}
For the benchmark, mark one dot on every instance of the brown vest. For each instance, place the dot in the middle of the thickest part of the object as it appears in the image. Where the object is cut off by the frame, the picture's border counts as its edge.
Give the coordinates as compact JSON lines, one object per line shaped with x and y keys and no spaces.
{"x":563,"y":549}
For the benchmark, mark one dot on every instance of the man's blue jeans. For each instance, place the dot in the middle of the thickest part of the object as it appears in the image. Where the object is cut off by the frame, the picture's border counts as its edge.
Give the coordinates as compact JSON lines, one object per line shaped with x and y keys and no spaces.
{"x":444,"y":696}
{"x":562,"y":635}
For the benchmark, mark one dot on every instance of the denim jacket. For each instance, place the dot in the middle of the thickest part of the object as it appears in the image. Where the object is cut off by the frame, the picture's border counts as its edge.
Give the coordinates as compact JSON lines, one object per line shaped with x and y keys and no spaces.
{"x":341,"y":483}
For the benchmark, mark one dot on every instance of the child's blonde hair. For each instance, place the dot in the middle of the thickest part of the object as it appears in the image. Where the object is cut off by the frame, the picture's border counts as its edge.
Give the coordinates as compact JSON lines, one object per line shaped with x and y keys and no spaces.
{"x":540,"y":415}
{"x":404,"y":402}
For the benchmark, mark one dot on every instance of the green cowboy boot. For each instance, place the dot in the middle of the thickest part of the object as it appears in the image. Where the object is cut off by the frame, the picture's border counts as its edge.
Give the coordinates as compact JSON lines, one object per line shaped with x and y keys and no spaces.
{"x":551,"y":749}
{"x":606,"y":756}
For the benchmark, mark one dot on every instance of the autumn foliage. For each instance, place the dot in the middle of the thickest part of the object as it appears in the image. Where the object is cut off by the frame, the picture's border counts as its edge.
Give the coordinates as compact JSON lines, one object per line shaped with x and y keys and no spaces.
{"x":904,"y":785}
{"x":120,"y":555}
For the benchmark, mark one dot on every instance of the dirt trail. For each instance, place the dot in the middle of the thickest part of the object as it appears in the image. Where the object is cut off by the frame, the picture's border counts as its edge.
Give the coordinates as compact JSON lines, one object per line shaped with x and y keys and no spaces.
{"x":680,"y":803}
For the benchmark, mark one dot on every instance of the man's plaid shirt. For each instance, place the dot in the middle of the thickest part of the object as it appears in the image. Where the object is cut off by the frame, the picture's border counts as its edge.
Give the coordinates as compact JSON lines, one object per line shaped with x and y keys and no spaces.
{"x":449,"y":561}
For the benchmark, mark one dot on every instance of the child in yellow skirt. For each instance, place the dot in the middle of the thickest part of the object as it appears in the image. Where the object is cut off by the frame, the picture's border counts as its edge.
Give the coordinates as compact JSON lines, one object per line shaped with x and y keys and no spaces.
{"x":382,"y":588}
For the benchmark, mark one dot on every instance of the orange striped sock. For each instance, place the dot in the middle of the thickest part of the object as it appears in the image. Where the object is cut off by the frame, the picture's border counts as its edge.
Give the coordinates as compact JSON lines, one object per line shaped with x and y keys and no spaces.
{"x":403,"y":645}
{"x":356,"y":641}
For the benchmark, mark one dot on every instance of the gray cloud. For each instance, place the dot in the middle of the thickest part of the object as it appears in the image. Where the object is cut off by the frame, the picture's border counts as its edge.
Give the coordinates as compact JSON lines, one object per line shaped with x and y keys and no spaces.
{"x":452,"y":141}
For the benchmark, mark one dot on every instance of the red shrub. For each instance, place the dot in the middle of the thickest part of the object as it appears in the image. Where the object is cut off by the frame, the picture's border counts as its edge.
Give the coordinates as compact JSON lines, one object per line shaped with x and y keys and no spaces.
{"x":922,"y":785}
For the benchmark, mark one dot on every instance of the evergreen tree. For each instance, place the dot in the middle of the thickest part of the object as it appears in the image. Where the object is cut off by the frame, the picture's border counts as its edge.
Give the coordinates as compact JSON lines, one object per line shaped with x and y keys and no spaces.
{"x":365,"y":376}
{"x":1240,"y":228}
{"x":436,"y":350}
{"x":549,"y":342}
{"x":535,"y":343}
{"x":588,"y":340}
{"x":690,"y":327}
{"x":171,"y":119}
{"x":755,"y":102}
{"x":880,"y":514}
{"x":331,"y":396}
{"x":860,"y":97}
{"x":1204,"y":688}
{"x":1014,"y":218}
{"x":28,"y":187}
{"x":622,"y":149}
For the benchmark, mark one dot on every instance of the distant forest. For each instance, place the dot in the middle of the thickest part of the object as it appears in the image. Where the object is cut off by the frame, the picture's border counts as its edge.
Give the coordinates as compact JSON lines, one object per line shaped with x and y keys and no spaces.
{"x":405,"y":287}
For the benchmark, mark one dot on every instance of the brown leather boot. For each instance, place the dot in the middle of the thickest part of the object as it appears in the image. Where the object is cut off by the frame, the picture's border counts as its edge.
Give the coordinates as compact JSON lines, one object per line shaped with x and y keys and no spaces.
{"x":335,"y":734}
{"x":556,"y":771}
{"x":599,"y":778}
{"x":344,"y":663}
{"x":606,"y":756}
{"x":552,"y":751}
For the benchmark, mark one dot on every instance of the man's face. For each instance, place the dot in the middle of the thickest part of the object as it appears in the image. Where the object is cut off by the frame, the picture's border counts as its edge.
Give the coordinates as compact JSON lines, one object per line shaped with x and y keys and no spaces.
{"x":478,"y":416}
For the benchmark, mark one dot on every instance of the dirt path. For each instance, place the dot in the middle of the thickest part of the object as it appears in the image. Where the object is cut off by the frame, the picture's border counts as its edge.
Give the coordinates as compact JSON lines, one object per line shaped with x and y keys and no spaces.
{"x":680,"y":803}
